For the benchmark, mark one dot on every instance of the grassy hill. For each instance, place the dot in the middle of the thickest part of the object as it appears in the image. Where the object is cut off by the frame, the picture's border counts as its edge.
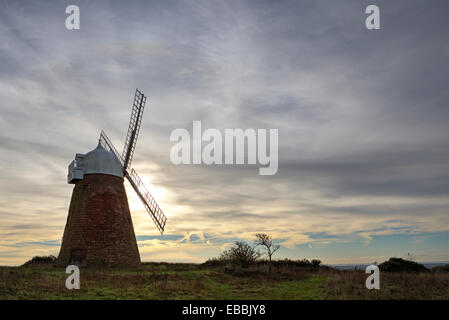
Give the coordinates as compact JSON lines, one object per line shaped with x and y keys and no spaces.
{"x":192,"y":281}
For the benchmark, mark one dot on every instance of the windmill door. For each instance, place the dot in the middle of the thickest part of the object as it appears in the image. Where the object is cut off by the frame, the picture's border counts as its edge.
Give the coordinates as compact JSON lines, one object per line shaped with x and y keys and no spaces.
{"x":79,"y":257}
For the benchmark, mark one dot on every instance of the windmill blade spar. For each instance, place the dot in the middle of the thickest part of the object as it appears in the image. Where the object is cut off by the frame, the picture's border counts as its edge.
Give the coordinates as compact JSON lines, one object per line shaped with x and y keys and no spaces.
{"x":133,"y":129}
{"x":147,"y":199}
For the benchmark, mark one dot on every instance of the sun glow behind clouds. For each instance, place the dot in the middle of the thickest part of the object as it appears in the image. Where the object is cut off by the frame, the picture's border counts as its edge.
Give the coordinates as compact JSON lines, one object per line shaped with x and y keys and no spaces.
{"x":358,"y":162}
{"x":143,"y":224}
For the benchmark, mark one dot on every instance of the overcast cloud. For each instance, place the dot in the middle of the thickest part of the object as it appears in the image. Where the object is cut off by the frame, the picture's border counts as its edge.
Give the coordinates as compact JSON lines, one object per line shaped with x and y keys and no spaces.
{"x":362,"y":116}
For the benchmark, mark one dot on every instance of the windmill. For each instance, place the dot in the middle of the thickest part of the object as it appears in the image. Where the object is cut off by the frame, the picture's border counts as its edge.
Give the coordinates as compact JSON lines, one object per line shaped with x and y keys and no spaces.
{"x":99,"y":229}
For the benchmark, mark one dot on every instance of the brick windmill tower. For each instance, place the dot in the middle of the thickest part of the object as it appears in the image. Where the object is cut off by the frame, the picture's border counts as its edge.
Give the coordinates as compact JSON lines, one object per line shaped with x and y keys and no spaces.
{"x":99,"y":230}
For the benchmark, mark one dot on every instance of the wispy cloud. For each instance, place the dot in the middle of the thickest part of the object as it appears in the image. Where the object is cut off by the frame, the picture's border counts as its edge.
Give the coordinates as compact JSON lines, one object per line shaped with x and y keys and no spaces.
{"x":362,"y":119}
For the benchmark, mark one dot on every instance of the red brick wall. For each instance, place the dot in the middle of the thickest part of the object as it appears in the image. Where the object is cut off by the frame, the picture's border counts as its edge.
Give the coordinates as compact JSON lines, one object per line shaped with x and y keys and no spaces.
{"x":99,"y":229}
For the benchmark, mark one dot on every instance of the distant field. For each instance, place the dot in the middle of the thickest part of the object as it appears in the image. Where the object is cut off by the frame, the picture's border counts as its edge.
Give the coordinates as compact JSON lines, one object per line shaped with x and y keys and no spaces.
{"x":189,"y":281}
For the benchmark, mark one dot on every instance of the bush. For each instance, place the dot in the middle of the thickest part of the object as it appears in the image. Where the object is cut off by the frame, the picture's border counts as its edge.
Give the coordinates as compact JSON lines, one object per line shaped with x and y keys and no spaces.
{"x":241,"y":255}
{"x":316,"y":263}
{"x":213,"y":262}
{"x":401,"y":265}
{"x":441,"y":269}
{"x":40,"y":260}
{"x":284,"y":264}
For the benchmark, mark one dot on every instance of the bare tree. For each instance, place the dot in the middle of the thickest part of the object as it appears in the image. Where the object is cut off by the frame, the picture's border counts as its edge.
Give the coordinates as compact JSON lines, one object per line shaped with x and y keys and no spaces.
{"x":263,"y":239}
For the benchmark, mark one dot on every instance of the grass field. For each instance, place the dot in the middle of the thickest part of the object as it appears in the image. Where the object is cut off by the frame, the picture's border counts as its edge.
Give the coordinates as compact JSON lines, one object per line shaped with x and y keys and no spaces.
{"x":189,"y":281}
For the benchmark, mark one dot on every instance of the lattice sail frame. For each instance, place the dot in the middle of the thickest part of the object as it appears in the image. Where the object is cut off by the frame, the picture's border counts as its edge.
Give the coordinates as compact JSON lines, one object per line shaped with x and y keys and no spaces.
{"x":147,"y":199}
{"x":134,"y":128}
{"x":139,"y":187}
{"x":107,"y":144}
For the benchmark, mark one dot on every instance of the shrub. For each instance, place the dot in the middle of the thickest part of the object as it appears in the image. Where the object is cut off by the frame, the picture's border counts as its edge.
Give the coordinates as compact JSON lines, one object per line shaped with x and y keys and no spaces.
{"x":214,"y":262}
{"x":441,"y":269}
{"x":240,"y":255}
{"x":401,"y":265}
{"x":40,"y":260}
{"x":284,"y":264}
{"x":316,"y":263}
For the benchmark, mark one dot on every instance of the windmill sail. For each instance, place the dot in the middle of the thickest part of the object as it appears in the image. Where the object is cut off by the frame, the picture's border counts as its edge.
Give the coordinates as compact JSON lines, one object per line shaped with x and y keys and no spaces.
{"x":150,"y":204}
{"x":107,"y":144}
{"x":125,"y":159}
{"x":134,"y":127}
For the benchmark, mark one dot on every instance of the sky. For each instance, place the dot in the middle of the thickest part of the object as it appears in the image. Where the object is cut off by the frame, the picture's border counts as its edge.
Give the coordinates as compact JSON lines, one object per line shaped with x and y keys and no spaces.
{"x":362,"y":117}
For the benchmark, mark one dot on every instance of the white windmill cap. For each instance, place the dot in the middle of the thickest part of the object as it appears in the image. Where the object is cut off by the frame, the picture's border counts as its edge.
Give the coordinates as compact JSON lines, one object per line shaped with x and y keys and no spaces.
{"x":102,"y":161}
